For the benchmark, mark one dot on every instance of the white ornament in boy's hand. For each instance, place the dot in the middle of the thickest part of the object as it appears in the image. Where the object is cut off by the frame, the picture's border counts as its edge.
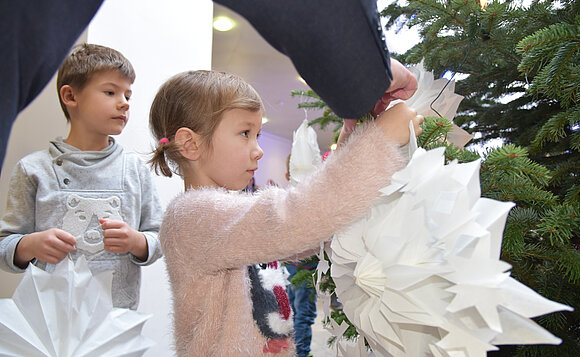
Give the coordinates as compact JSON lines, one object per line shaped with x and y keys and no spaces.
{"x":68,"y":313}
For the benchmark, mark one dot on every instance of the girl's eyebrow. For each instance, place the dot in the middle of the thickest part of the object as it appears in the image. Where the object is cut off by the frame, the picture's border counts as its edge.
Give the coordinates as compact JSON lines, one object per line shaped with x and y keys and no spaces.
{"x":248,"y":122}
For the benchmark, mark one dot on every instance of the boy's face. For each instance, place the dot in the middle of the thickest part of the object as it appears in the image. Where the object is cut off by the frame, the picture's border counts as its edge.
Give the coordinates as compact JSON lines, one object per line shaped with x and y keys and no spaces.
{"x":102,"y":106}
{"x":234,"y":154}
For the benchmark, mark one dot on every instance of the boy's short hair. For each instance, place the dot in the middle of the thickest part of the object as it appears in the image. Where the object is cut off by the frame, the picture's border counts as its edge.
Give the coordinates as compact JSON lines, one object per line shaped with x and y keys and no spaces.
{"x":84,"y":61}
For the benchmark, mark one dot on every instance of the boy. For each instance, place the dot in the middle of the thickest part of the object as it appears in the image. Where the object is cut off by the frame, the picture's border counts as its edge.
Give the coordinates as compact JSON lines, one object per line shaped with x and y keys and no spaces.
{"x":85,"y":195}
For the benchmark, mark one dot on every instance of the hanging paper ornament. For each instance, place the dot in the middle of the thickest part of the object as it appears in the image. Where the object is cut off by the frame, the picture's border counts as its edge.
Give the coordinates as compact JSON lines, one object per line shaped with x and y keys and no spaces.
{"x":68,"y":313}
{"x":305,"y":155}
{"x":436,"y":97}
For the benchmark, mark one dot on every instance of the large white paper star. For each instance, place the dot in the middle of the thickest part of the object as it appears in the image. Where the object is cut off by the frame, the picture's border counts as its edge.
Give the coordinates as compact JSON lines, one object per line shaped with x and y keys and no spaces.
{"x":421,"y":275}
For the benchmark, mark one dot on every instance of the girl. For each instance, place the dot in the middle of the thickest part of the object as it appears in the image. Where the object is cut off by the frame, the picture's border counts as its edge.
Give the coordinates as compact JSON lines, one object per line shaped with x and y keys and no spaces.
{"x":226,"y":303}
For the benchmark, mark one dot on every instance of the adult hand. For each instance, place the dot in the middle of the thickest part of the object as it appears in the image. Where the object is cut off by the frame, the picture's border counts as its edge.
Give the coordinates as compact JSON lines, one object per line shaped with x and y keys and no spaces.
{"x":403,"y":86}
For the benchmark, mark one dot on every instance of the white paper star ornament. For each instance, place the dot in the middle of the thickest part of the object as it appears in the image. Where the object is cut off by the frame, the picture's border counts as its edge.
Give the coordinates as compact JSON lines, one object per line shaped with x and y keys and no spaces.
{"x":68,"y":313}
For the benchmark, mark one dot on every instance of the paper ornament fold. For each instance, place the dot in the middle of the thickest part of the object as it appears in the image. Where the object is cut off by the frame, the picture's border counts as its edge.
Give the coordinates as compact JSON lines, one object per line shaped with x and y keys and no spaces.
{"x":420,"y":274}
{"x":68,"y":313}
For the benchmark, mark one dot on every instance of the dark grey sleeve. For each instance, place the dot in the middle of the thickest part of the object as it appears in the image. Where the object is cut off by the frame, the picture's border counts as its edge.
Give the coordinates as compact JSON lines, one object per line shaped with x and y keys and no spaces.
{"x":337,"y":46}
{"x":35,"y":36}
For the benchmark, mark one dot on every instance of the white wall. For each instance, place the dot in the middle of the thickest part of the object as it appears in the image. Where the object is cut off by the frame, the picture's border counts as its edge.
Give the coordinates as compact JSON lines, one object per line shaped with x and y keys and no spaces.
{"x":160,"y":38}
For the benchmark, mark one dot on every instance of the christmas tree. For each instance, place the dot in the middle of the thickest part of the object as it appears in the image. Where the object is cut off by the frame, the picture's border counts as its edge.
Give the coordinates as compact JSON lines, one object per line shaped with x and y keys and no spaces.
{"x":521,"y":84}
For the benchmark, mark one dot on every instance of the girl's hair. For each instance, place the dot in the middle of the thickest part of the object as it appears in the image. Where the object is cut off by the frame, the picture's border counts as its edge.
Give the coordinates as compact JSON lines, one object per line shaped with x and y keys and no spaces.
{"x":196,"y":100}
{"x":84,"y":61}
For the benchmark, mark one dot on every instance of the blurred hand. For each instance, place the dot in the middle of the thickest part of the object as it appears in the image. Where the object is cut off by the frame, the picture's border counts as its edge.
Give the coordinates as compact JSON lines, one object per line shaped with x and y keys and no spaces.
{"x":119,"y":237}
{"x":50,"y":246}
{"x":395,"y":122}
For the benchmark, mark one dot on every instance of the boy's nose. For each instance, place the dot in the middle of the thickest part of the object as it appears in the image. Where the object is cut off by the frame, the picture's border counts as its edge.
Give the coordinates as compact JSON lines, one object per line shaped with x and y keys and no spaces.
{"x":124,"y":104}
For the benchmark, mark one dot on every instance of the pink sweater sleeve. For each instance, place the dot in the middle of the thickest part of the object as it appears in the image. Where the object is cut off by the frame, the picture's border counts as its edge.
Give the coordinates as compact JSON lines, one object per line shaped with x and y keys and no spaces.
{"x":212,"y":230}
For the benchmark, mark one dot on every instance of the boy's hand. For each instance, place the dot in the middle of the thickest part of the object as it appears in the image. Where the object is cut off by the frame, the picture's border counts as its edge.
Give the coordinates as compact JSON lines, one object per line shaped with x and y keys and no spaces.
{"x":395,"y":122}
{"x":51,"y":246}
{"x":119,"y":237}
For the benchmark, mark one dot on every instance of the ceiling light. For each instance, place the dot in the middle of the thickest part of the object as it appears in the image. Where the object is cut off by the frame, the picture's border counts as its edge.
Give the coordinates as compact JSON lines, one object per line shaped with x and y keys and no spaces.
{"x":300,"y":79}
{"x":223,"y":23}
{"x":265,"y":120}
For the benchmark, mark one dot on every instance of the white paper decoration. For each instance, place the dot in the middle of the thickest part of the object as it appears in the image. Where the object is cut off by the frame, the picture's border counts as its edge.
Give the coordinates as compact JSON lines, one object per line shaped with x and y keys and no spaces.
{"x":437,"y":94}
{"x":68,"y":313}
{"x":420,"y":275}
{"x":305,"y":155}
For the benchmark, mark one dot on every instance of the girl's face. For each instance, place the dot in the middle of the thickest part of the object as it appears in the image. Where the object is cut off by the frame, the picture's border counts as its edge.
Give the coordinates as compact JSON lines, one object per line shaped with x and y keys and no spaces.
{"x":233,"y":157}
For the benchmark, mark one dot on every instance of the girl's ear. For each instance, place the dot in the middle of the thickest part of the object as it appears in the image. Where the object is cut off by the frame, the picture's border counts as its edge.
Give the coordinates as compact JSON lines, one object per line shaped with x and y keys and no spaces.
{"x":190,"y":143}
{"x":67,"y":95}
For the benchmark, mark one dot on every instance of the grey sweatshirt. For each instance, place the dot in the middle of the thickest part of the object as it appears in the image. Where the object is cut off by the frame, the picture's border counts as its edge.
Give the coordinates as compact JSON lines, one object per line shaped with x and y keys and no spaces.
{"x":70,"y":189}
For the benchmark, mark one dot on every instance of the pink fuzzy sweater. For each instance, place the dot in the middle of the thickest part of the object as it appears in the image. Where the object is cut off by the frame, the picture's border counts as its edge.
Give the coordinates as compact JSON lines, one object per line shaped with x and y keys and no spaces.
{"x":210,"y":236}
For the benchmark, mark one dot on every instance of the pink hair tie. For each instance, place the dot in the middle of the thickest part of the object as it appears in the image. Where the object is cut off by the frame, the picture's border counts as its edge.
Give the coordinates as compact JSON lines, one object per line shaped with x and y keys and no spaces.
{"x":163,"y":141}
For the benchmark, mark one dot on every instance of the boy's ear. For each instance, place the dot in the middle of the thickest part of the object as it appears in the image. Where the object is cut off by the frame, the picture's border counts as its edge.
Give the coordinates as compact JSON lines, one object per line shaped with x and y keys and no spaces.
{"x":190,"y":143}
{"x":67,"y":95}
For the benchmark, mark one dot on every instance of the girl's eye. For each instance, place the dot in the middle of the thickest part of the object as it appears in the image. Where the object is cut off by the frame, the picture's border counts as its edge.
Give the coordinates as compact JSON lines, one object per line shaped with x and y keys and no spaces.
{"x":107,"y":92}
{"x":246,"y":133}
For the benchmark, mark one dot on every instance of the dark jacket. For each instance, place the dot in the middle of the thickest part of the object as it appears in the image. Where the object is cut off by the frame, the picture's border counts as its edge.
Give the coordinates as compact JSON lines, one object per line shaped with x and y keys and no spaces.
{"x":335,"y":45}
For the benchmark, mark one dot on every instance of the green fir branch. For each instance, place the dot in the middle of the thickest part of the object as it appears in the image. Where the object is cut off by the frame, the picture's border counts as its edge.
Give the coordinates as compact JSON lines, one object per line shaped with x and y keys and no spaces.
{"x":560,"y":223}
{"x":556,"y":128}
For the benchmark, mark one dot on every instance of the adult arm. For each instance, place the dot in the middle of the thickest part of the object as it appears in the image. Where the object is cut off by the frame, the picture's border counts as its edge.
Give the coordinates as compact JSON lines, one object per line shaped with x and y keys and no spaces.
{"x":35,"y":36}
{"x":337,"y":46}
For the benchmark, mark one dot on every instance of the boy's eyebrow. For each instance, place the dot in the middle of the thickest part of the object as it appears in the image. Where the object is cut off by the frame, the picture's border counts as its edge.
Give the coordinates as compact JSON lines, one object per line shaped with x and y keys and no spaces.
{"x":115,"y":85}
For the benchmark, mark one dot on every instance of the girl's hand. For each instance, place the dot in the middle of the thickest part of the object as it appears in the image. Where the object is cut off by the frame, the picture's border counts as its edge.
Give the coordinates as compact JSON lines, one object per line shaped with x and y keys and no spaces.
{"x":119,"y":237}
{"x":395,"y":123}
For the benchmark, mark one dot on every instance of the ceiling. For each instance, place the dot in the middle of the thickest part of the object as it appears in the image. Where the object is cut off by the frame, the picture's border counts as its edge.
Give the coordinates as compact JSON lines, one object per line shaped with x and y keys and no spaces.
{"x":244,"y":52}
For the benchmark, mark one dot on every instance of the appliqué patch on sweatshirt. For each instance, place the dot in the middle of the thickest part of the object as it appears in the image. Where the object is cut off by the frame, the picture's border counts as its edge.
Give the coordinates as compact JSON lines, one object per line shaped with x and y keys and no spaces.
{"x":271,"y":308}
{"x":82,"y":219}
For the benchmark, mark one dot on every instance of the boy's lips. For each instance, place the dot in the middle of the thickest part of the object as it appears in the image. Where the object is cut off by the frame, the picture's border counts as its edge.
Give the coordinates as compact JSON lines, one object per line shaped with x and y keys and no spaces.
{"x":121,"y":117}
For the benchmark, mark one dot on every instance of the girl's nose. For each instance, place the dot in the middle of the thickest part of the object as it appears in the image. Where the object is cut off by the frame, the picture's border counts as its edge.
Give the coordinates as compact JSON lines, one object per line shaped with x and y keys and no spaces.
{"x":258,"y":152}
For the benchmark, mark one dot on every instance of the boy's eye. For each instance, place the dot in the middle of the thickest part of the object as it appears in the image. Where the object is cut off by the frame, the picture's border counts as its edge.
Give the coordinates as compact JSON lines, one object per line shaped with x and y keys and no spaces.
{"x":108,"y":92}
{"x":246,"y":133}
